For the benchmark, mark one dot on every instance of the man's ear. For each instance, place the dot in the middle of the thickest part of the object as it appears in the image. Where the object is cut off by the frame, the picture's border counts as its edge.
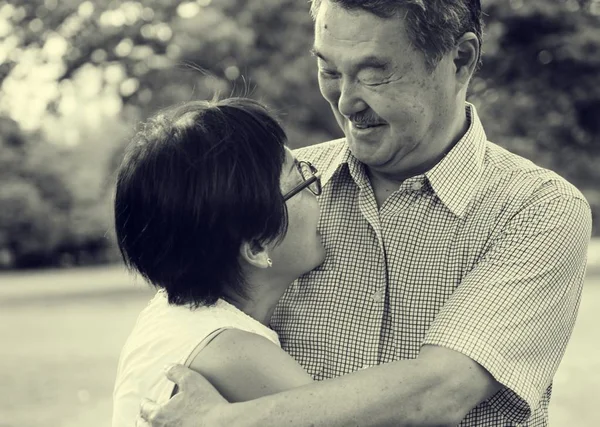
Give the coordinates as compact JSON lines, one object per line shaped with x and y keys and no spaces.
{"x":255,"y":254}
{"x":466,"y":57}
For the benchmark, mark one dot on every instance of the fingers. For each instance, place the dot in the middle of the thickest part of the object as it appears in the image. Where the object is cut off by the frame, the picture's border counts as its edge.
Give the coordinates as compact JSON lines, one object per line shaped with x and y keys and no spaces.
{"x":180,"y":375}
{"x":189,"y":381}
{"x":195,"y":393}
{"x":185,"y":378}
{"x":148,"y":410}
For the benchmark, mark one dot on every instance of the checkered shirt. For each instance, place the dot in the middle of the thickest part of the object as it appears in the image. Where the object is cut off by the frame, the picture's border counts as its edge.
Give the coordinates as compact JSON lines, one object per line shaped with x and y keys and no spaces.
{"x":484,"y":254}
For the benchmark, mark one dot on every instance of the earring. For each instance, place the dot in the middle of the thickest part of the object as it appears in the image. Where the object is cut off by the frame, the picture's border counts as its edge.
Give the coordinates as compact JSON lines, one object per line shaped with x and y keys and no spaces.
{"x":269,"y":262}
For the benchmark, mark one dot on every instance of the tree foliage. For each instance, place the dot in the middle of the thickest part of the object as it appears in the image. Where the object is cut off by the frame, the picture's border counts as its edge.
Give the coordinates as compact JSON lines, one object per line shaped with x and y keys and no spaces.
{"x":539,"y":89}
{"x":77,"y":75}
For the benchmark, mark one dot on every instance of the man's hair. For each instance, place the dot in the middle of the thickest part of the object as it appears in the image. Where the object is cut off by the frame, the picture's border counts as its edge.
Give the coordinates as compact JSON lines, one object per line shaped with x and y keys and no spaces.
{"x":196,"y":181}
{"x":433,"y":26}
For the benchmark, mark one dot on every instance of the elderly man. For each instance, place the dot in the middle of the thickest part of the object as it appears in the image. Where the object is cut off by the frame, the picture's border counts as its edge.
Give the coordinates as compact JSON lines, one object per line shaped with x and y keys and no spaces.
{"x":454,"y":268}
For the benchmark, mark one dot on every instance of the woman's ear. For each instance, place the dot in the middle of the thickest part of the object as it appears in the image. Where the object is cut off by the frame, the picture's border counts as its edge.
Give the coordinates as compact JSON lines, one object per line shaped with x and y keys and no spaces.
{"x":255,"y":254}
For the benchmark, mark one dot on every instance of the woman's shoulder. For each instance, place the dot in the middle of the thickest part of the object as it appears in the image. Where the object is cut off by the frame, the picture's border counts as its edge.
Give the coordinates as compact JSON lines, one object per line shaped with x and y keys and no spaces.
{"x":244,"y":365}
{"x":243,"y":322}
{"x":161,"y":315}
{"x":183,"y":330}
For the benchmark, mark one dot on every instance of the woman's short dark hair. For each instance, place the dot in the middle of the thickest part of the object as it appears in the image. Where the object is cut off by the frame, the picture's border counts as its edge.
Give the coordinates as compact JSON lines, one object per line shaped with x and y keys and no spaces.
{"x":196,"y":181}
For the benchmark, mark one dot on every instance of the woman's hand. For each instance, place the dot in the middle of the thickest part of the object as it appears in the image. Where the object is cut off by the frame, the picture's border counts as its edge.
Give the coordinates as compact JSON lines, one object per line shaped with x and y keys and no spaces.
{"x":196,"y":404}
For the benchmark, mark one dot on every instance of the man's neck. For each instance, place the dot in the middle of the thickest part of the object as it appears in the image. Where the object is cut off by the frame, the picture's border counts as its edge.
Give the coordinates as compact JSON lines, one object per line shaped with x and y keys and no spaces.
{"x":384,"y":178}
{"x":385,"y":182}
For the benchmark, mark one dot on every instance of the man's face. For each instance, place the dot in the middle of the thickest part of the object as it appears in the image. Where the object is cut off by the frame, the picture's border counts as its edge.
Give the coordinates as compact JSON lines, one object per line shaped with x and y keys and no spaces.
{"x":371,"y":75}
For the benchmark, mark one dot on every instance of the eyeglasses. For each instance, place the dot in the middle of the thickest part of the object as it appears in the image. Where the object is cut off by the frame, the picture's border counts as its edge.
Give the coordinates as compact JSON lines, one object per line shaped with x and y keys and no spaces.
{"x":311,"y":179}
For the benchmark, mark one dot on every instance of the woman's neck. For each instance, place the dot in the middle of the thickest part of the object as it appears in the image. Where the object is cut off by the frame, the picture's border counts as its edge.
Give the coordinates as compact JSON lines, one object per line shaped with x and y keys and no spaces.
{"x":260,"y":301}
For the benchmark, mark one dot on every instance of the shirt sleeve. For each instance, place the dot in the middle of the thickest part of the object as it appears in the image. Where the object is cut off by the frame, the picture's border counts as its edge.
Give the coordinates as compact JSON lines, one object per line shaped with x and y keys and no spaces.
{"x":514,"y":312}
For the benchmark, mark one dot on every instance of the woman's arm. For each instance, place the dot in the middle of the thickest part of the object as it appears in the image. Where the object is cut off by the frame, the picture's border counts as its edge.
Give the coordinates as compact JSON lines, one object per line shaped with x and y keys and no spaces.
{"x":244,"y":366}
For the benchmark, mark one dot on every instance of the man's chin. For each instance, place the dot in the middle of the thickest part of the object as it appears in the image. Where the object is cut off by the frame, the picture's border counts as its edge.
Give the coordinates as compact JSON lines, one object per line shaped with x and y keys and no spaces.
{"x":368,"y":154}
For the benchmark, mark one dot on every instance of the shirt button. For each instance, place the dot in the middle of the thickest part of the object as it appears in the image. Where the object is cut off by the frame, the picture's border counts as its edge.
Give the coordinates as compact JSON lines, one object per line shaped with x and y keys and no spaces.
{"x":377,"y":296}
{"x":417,"y":186}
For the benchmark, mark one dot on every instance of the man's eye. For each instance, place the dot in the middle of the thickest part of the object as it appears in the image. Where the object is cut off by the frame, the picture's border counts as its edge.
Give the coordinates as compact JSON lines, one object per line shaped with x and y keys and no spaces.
{"x":373,"y":80}
{"x":328,"y":73}
{"x":367,"y":83}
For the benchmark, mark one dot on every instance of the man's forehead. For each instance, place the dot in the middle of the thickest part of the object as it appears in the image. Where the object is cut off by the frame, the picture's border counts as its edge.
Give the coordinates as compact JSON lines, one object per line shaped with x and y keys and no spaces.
{"x":335,"y":26}
{"x":362,"y":52}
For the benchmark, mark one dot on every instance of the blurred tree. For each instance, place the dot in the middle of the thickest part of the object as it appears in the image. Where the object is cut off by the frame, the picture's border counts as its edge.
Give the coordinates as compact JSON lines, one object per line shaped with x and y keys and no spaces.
{"x":75,"y":75}
{"x":31,"y":200}
{"x":69,"y":82}
{"x":54,"y":199}
{"x":539,"y":88}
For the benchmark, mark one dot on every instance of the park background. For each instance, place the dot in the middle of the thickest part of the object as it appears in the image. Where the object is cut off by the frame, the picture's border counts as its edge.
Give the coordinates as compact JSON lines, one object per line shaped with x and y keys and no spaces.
{"x":76,"y":77}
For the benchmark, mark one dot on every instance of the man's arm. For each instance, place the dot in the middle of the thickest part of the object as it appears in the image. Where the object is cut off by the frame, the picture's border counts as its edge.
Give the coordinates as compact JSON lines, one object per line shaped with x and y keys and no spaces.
{"x":437,"y":388}
{"x":518,"y":306}
{"x":515,"y":310}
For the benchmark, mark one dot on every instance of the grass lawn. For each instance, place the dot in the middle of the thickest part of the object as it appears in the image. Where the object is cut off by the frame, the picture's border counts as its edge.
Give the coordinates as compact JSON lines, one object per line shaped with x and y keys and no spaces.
{"x":62,"y":332}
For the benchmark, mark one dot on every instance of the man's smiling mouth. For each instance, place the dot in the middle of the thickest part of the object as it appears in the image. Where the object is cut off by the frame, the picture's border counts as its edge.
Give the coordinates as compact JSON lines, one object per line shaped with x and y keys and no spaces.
{"x":366,"y":125}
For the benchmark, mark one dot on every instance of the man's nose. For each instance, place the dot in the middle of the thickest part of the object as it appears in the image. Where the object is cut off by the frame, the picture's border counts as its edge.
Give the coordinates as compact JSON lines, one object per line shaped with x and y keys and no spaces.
{"x":350,"y":102}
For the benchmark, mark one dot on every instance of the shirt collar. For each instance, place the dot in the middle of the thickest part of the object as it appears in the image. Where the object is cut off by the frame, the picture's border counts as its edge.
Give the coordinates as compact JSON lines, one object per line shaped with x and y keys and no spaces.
{"x":344,"y":157}
{"x":454,"y":179}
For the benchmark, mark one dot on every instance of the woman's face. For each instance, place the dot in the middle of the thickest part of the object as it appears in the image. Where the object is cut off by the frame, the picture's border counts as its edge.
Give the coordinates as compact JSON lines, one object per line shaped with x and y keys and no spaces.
{"x":301,"y":250}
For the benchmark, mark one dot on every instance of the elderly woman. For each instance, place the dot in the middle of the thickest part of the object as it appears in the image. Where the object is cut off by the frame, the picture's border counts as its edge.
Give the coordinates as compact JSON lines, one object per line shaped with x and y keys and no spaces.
{"x":213,"y":210}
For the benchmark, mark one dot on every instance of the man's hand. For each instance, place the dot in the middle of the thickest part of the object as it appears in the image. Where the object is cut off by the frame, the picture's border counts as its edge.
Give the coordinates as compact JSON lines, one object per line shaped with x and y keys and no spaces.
{"x":196,"y":404}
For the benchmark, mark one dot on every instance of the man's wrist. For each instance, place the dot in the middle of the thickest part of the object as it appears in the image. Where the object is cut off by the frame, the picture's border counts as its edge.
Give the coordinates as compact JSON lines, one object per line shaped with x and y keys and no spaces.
{"x":243,"y":414}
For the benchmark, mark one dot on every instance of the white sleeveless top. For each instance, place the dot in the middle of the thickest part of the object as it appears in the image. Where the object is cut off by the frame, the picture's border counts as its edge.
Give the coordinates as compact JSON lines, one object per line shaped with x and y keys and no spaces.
{"x":166,"y":334}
